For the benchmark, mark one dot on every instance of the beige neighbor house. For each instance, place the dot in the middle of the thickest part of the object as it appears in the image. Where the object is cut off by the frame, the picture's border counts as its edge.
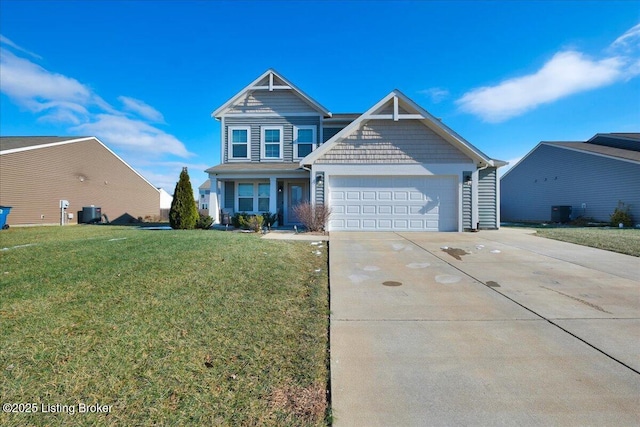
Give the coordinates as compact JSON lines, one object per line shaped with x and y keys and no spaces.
{"x":37,"y":173}
{"x":394,"y":167}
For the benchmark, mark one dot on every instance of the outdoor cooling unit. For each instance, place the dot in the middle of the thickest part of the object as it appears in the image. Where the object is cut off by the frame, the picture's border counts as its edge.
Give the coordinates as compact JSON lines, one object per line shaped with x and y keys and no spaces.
{"x":560,"y":214}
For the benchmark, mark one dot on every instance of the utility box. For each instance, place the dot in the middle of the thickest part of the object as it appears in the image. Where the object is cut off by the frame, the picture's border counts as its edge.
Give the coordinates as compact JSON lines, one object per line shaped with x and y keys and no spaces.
{"x":91,"y":214}
{"x":561,"y":214}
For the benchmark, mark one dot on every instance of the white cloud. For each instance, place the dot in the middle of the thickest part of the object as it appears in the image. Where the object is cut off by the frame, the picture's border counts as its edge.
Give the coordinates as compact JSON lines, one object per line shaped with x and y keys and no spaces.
{"x":4,"y":40}
{"x":629,"y":41}
{"x":141,"y":108}
{"x":65,"y":101}
{"x":133,"y":135}
{"x":35,"y":88}
{"x":565,"y":74}
{"x":436,"y":94}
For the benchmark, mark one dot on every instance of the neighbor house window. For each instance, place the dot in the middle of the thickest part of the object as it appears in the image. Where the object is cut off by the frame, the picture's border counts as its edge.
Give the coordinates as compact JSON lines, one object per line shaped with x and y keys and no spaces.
{"x":239,"y":143}
{"x":304,"y":141}
{"x":253,"y":195}
{"x":245,"y":197}
{"x":272,"y":142}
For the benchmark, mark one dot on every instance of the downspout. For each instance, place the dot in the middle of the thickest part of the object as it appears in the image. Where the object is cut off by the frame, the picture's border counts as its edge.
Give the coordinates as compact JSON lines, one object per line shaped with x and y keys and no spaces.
{"x":474,"y":197}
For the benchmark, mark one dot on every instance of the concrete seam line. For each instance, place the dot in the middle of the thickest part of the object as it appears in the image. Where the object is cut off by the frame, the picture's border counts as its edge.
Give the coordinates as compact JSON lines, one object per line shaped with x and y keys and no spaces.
{"x":525,"y":307}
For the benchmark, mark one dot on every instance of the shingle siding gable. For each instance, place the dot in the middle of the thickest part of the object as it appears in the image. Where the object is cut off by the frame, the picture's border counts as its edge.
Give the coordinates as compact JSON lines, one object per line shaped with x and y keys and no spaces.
{"x":264,"y":101}
{"x":388,"y":141}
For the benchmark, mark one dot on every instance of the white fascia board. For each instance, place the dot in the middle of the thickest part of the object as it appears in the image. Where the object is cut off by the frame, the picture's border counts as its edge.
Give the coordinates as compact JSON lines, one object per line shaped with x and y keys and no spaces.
{"x":445,"y":131}
{"x":217,"y":112}
{"x":72,"y":141}
{"x":259,"y":115}
{"x":127,"y":165}
{"x":254,"y":86}
{"x":427,"y":119}
{"x":52,"y":144}
{"x":314,"y":155}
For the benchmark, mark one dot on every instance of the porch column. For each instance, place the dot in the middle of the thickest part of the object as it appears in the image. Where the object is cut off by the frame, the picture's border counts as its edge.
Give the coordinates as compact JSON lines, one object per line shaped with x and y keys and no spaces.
{"x":273,"y":195}
{"x":214,"y":201}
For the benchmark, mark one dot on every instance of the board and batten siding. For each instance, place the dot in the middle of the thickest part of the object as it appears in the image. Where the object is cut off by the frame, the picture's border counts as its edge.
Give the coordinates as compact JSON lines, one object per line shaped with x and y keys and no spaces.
{"x":553,"y":176}
{"x":85,"y":173}
{"x":389,"y":142}
{"x":256,"y":123}
{"x":264,"y":101}
{"x":487,"y":198}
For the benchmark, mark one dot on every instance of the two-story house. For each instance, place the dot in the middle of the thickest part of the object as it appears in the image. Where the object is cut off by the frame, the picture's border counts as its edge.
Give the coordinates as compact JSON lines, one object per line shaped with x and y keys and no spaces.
{"x":393,"y":167}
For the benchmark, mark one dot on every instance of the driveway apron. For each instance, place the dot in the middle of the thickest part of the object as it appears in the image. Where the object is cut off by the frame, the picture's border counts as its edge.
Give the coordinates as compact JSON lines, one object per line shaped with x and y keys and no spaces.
{"x":490,"y":328}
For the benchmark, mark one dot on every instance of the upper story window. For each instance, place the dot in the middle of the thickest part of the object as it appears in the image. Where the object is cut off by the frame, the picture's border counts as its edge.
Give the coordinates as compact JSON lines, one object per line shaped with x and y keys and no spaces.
{"x":304,"y":140}
{"x":239,"y":143}
{"x":271,"y":144}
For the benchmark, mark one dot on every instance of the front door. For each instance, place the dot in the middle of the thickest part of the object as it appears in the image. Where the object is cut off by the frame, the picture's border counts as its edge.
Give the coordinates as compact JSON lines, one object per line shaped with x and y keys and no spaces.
{"x":296,"y":194}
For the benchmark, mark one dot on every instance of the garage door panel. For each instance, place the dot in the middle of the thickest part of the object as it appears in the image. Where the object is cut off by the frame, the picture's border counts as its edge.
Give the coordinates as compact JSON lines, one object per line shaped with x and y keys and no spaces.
{"x":368,"y":209}
{"x":426,"y":203}
{"x":385,"y":210}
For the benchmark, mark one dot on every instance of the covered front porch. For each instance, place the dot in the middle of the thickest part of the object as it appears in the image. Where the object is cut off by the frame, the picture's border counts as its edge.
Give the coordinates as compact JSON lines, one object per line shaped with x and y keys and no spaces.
{"x":256,"y":188}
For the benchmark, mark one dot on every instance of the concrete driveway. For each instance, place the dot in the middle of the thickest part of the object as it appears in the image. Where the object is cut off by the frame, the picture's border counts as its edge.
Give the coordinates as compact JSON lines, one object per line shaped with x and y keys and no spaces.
{"x":489,"y":328}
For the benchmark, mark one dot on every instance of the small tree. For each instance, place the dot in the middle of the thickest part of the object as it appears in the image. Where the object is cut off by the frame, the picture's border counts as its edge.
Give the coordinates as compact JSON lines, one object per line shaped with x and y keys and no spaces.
{"x":184,"y":213}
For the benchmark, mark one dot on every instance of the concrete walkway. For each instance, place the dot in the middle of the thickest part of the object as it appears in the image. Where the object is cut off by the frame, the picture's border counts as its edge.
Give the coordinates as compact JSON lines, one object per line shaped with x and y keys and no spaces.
{"x":489,"y":328}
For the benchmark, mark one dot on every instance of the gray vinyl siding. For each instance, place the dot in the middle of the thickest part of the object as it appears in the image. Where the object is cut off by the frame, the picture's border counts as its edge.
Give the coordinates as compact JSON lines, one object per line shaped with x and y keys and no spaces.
{"x":388,"y":141}
{"x":551,"y":176}
{"x":255,"y":123}
{"x":329,"y":132}
{"x":466,"y":203}
{"x":277,"y":101}
{"x":229,"y":194}
{"x":487,"y":194}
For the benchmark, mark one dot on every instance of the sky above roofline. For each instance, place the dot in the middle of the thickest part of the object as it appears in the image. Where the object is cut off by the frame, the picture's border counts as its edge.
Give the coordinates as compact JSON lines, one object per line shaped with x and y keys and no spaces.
{"x":144,"y":77}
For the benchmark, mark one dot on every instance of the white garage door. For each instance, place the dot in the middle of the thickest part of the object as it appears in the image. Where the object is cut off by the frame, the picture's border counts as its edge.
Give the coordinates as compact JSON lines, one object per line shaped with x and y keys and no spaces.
{"x":425,"y":203}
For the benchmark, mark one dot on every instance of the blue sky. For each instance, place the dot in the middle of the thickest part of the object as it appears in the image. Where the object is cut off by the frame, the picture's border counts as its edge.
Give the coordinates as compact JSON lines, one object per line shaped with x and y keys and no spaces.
{"x":145,"y":76}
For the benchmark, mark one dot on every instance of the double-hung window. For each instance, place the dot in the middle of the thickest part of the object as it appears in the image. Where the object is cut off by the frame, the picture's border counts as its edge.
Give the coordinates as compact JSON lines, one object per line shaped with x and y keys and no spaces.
{"x":253,"y":197}
{"x":239,"y":143}
{"x":271,"y":144}
{"x":245,"y":197}
{"x":304,"y":140}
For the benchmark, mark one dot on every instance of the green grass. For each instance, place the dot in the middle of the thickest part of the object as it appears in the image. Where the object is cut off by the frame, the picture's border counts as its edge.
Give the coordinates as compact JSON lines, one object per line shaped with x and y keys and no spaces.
{"x":624,"y":241}
{"x":168,"y":327}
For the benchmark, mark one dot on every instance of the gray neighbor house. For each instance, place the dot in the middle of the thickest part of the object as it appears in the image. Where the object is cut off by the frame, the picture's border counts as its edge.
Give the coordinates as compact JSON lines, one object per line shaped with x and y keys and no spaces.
{"x":590,"y":177}
{"x":393,"y":167}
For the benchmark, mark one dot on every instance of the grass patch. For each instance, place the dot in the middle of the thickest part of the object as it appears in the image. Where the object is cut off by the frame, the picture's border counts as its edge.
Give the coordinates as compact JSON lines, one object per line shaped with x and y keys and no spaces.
{"x":166,"y":327}
{"x":624,"y":241}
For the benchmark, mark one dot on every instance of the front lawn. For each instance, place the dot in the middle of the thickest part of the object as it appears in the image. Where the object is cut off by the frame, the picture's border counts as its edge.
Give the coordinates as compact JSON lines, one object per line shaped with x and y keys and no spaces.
{"x":625,"y":241}
{"x":165,"y":327}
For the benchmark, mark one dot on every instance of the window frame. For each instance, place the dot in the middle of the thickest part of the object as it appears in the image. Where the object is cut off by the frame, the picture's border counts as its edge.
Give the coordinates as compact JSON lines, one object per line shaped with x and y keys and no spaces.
{"x":313,"y":144}
{"x":238,"y":197}
{"x":255,"y":196}
{"x":230,"y":143}
{"x":263,"y":143}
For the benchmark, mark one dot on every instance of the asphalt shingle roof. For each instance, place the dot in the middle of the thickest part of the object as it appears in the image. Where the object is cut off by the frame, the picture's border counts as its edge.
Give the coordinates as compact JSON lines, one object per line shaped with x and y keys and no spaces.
{"x":13,"y":142}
